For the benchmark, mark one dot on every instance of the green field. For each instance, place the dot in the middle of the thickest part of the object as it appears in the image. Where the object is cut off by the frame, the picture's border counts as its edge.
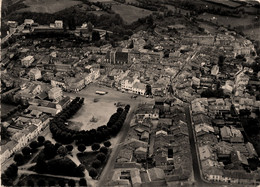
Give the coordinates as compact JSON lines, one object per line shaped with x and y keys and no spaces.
{"x":130,"y":13}
{"x":48,"y":6}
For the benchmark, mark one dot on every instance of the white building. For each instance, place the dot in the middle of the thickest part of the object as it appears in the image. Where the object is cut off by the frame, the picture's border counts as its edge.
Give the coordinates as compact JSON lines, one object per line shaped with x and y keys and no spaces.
{"x":27,"y":61}
{"x":28,"y":21}
{"x":58,"y":24}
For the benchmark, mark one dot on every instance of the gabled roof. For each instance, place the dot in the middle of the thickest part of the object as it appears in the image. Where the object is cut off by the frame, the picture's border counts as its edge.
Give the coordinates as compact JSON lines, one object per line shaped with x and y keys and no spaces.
{"x":156,"y":174}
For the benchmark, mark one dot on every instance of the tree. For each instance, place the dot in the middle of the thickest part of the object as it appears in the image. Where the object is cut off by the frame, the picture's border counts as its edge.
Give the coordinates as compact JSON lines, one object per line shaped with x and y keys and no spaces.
{"x":46,"y":142}
{"x":107,"y":143}
{"x":30,"y":183}
{"x":57,"y":145}
{"x":5,"y":134}
{"x":41,"y":165}
{"x":71,"y":183}
{"x":11,"y":171}
{"x":96,"y":164}
{"x":69,"y":147}
{"x":41,"y":139}
{"x":62,"y":151}
{"x":221,"y":60}
{"x":95,"y":146}
{"x":82,"y":148}
{"x":148,"y":90}
{"x":95,"y":36}
{"x":19,"y":158}
{"x":93,"y":173}
{"x":41,"y":183}
{"x":90,"y":27}
{"x":33,"y":145}
{"x":107,"y":36}
{"x":61,"y":183}
{"x":49,"y":151}
{"x":101,"y":156}
{"x":26,"y":151}
{"x":170,"y":89}
{"x":104,"y":150}
{"x":52,"y":183}
{"x":82,"y":182}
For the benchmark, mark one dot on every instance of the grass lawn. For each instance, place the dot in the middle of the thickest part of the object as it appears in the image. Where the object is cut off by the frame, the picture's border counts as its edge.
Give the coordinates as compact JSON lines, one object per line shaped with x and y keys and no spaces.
{"x":130,"y":13}
{"x":35,"y":178}
{"x":48,"y":6}
{"x":88,"y":157}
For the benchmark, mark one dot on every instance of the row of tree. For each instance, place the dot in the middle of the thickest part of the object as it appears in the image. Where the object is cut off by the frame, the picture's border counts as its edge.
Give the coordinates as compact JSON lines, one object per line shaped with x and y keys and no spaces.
{"x":61,"y":133}
{"x":61,"y":183}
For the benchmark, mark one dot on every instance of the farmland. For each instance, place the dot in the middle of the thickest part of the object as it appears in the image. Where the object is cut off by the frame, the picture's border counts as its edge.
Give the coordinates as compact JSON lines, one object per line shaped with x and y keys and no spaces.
{"x":130,"y":13}
{"x":227,"y":20}
{"x":48,"y":6}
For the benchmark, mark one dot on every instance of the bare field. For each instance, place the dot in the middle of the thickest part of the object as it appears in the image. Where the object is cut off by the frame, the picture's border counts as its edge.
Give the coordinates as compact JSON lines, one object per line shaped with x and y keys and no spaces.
{"x":101,"y":110}
{"x":48,"y":6}
{"x":227,"y":20}
{"x":130,"y":13}
{"x":253,"y":33}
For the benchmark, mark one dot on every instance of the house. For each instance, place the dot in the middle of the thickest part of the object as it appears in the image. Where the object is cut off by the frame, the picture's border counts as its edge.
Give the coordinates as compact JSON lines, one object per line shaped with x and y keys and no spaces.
{"x":139,"y":88}
{"x":231,"y":134}
{"x":27,"y":61}
{"x":7,"y":150}
{"x":28,"y":21}
{"x":215,"y":70}
{"x":12,"y":24}
{"x":223,"y":149}
{"x":74,"y":84}
{"x":63,"y":103}
{"x":251,"y":150}
{"x":127,"y":83}
{"x":195,"y":81}
{"x":141,"y":153}
{"x":35,"y":74}
{"x":58,"y":24}
{"x":55,"y":93}
{"x":213,"y":174}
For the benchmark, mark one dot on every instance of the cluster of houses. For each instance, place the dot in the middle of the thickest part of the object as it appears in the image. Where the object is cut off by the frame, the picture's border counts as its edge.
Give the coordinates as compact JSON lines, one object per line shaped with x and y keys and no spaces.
{"x":221,"y":145}
{"x":161,"y":144}
{"x":43,"y":103}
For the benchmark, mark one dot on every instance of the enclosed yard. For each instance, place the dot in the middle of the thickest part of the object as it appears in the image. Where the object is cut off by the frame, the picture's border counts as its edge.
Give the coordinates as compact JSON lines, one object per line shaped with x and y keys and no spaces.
{"x":130,"y":13}
{"x":48,"y":6}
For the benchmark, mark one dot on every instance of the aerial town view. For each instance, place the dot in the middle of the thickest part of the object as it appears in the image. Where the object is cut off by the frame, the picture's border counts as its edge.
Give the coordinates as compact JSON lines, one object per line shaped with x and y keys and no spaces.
{"x":130,"y":93}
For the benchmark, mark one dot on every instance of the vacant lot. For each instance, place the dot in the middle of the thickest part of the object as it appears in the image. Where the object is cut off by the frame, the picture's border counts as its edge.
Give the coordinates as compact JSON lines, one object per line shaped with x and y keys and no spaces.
{"x":130,"y":13}
{"x":48,"y":6}
{"x":226,"y":20}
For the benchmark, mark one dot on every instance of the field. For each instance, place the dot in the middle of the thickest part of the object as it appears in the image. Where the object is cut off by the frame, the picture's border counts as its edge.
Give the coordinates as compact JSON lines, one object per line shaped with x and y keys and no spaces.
{"x":48,"y":6}
{"x":130,"y":13}
{"x":227,"y":20}
{"x":253,"y":33}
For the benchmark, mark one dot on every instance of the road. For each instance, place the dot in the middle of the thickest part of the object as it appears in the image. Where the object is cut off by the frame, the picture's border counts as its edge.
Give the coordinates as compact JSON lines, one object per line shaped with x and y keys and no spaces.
{"x":121,"y":137}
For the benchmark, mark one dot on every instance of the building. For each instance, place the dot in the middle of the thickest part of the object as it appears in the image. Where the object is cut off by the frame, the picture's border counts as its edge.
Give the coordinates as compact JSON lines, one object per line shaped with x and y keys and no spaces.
{"x":55,"y":93}
{"x":117,"y":57}
{"x":139,"y":88}
{"x":74,"y":84}
{"x":27,"y":61}
{"x":35,"y":74}
{"x":231,"y":134}
{"x":58,"y":24}
{"x":215,"y":70}
{"x":28,"y":21}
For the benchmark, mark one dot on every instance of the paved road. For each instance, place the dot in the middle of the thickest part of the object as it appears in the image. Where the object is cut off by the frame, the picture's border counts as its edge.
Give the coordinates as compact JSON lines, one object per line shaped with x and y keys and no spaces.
{"x":122,"y":135}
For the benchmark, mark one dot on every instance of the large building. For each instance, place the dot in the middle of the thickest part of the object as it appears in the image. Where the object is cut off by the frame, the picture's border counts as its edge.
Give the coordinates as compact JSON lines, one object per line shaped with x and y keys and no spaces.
{"x":35,"y":74}
{"x":117,"y":57}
